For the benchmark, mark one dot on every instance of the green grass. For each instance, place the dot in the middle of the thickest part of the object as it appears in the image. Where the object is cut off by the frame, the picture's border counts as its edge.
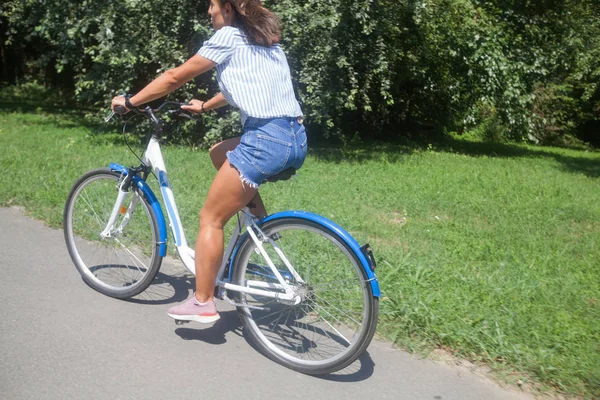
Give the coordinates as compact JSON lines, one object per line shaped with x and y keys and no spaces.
{"x":490,"y":251}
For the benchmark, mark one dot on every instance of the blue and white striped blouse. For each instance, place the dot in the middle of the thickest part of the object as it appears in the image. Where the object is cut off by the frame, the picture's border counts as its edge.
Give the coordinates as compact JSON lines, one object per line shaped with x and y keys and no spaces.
{"x":253,"y":78}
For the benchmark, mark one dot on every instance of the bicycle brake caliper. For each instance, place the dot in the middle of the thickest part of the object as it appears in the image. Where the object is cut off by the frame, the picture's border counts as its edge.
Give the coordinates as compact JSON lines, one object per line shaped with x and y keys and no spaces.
{"x":366,"y":249}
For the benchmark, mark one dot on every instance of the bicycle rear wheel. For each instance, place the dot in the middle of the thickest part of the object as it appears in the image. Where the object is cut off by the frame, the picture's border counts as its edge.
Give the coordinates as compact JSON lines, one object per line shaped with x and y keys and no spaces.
{"x":336,"y":318}
{"x":124,"y":263}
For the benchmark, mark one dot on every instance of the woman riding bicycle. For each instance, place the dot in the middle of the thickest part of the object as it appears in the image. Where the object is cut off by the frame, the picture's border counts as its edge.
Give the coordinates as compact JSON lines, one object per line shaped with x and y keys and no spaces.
{"x":254,"y":76}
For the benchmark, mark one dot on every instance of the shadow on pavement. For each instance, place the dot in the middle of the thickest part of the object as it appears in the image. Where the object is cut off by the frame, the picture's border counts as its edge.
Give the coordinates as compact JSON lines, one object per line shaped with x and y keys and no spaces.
{"x":213,"y":334}
{"x":359,"y":370}
{"x":165,"y":289}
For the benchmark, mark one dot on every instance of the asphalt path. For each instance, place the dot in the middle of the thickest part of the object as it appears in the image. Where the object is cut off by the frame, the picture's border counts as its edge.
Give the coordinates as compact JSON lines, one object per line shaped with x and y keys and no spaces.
{"x":59,"y":339}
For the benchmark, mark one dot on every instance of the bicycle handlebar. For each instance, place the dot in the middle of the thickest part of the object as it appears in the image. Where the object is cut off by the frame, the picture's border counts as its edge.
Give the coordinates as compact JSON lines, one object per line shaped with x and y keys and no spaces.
{"x":150,"y":113}
{"x":120,"y":110}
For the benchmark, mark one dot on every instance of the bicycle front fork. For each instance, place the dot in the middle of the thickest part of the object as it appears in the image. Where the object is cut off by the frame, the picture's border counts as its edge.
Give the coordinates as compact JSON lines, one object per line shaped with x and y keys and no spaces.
{"x":120,"y":209}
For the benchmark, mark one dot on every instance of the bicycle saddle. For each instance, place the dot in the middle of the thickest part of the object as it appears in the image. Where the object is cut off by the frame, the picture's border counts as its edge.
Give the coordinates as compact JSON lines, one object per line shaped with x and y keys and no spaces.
{"x":282,"y":176}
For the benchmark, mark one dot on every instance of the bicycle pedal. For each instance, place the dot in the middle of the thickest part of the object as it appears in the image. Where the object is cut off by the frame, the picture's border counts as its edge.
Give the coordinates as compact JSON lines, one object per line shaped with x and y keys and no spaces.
{"x":181,"y":322}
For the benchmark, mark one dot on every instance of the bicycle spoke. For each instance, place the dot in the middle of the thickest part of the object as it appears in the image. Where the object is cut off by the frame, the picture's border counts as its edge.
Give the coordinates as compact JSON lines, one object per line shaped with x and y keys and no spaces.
{"x":337,"y":309}
{"x":98,"y":219}
{"x":123,"y":264}
{"x":332,"y":327}
{"x":337,"y":284}
{"x":322,"y":330}
{"x":327,"y":329}
{"x":134,"y":257}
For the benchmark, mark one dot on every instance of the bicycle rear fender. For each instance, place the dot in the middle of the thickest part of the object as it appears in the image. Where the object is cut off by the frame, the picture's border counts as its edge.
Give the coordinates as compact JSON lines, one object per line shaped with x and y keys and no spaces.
{"x":345,"y":236}
{"x":149,"y":194}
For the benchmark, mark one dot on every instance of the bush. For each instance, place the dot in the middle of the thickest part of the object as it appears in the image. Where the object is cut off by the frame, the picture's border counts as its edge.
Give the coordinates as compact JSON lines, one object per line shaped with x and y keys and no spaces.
{"x":372,"y":69}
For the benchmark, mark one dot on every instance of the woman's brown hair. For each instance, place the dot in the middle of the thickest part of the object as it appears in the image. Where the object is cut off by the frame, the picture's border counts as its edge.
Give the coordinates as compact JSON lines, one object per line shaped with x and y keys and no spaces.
{"x":261,"y":26}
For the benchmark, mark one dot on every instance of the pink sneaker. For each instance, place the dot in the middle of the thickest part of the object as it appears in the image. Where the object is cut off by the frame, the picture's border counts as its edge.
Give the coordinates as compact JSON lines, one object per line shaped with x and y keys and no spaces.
{"x":193,"y":310}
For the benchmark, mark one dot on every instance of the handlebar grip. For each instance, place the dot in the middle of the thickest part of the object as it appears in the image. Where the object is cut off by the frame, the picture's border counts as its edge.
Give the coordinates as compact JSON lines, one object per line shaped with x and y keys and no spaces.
{"x":120,"y":110}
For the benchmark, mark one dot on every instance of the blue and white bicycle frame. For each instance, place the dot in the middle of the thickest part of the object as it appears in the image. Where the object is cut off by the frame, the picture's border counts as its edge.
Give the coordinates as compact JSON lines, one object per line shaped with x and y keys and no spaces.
{"x":281,"y":290}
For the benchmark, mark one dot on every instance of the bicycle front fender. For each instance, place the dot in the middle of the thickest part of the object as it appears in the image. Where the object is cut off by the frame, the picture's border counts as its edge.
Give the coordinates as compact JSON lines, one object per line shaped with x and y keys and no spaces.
{"x":345,"y":236}
{"x":149,"y":194}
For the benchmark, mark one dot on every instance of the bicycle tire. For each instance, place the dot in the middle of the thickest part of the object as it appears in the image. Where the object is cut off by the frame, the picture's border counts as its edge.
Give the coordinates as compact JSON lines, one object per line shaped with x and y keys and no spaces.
{"x":322,"y":258}
{"x":125,"y":263}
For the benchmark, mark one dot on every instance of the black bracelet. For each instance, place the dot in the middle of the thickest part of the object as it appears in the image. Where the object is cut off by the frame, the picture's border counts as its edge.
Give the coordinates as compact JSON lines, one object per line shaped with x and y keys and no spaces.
{"x":128,"y":103}
{"x":202,"y":107}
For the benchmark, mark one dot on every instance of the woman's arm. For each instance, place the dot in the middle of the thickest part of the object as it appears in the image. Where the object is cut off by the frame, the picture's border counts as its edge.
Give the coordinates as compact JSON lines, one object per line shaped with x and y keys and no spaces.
{"x":198,"y":106}
{"x":169,"y":81}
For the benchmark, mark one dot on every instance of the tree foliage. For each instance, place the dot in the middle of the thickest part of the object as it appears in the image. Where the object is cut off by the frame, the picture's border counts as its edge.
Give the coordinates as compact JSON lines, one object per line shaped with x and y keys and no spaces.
{"x":373,"y":68}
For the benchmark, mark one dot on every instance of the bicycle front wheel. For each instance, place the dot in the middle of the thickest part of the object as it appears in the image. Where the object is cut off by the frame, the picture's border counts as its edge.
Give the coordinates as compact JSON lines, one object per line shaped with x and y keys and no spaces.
{"x":335,"y":315}
{"x":120,"y":261}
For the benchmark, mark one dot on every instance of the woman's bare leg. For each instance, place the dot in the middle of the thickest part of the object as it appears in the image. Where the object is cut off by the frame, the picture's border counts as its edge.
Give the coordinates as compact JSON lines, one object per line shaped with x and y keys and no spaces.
{"x":218,"y":155}
{"x":226,"y":196}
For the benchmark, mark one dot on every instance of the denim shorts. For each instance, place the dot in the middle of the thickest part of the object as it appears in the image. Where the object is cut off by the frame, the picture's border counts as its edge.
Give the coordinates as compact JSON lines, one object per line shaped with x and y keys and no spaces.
{"x":267,"y":147}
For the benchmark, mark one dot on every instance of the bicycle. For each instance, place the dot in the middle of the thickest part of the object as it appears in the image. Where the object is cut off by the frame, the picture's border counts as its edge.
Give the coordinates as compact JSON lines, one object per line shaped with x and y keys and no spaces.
{"x":305,"y":290}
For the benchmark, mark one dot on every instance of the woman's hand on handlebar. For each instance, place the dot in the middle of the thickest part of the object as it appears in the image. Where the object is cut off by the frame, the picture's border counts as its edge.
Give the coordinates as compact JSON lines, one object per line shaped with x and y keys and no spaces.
{"x":195,"y":106}
{"x":119,"y":101}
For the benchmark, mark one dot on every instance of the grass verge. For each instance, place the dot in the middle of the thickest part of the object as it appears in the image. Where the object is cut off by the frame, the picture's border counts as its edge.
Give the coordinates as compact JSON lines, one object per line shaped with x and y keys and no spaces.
{"x":490,"y":251}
